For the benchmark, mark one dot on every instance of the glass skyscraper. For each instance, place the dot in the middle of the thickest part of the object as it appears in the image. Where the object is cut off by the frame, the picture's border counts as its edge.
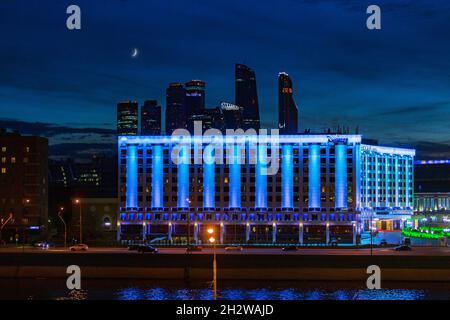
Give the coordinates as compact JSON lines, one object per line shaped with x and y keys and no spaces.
{"x":247,"y":96}
{"x":175,"y":107}
{"x":127,"y":118}
{"x":151,"y":118}
{"x":287,"y":109}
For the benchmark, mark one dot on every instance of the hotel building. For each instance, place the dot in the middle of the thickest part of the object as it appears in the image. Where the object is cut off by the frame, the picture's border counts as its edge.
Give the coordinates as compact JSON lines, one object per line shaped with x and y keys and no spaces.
{"x":301,"y":189}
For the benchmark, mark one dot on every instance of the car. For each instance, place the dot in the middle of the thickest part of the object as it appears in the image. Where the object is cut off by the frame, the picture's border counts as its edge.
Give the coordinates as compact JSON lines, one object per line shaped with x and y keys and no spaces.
{"x":42,"y":245}
{"x":289,"y":248}
{"x":383,"y":242}
{"x":234,"y":248}
{"x":134,"y":247}
{"x":194,"y":249}
{"x":146,"y":248}
{"x":403,"y":248}
{"x":407,"y":241}
{"x":79,"y":247}
{"x":333,"y":243}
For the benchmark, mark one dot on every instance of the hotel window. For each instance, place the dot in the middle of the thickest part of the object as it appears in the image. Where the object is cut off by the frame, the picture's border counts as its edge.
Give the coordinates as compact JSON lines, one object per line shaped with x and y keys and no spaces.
{"x":27,"y":149}
{"x":3,"y":159}
{"x":13,"y":160}
{"x":3,"y":170}
{"x":3,"y":149}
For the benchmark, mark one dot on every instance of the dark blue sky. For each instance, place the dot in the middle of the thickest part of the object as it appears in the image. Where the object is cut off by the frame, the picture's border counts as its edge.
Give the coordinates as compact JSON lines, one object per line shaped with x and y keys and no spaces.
{"x":393,"y":83}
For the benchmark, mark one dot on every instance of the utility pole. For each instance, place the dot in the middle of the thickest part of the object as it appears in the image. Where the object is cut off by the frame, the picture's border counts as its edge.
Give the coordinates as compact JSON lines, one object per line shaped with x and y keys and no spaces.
{"x":65,"y":226}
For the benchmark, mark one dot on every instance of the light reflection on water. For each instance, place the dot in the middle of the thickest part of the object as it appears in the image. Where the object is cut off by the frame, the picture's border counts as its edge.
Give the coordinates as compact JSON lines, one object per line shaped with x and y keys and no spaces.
{"x":270,"y":294}
{"x":179,"y":290}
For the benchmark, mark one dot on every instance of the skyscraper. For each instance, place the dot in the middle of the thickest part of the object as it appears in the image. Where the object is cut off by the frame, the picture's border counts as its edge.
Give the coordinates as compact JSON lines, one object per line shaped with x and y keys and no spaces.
{"x":232,"y":115}
{"x":195,"y":97}
{"x":151,"y":118}
{"x":195,"y":102}
{"x":287,"y":109}
{"x":175,"y":108}
{"x":127,"y":118}
{"x":247,"y":96}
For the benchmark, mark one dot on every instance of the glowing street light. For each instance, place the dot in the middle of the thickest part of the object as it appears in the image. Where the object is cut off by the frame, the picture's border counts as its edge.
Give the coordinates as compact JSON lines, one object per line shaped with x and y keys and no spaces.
{"x":78,"y":202}
{"x":60,"y":213}
{"x":212,"y":240}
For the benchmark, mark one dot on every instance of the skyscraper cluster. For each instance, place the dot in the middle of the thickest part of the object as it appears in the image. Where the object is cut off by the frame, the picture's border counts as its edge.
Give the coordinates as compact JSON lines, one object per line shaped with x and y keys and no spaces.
{"x":185,"y":105}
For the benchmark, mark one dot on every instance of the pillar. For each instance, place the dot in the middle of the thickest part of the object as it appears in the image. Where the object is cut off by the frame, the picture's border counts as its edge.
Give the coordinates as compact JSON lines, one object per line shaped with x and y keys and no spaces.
{"x":327,"y":233}
{"x":195,"y":232}
{"x":132,"y":177}
{"x":300,"y":233}
{"x":169,"y":232}
{"x":354,"y":234}
{"x":144,"y":231}
{"x":341,"y":176}
{"x":261,"y":177}
{"x":274,"y":233}
{"x":222,"y":231}
{"x":314,"y":176}
{"x":119,"y":231}
{"x":247,"y":232}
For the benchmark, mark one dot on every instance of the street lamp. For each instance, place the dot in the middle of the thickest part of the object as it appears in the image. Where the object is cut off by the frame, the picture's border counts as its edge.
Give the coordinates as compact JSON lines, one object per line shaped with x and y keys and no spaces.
{"x":212,"y":240}
{"x":78,"y":202}
{"x":65,"y":226}
{"x":3,"y":225}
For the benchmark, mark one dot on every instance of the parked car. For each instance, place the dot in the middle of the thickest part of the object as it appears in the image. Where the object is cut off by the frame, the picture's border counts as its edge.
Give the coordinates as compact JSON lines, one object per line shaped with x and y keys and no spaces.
{"x":134,"y":247}
{"x":42,"y":245}
{"x":407,"y":241}
{"x":333,"y":243}
{"x":194,"y":249}
{"x":79,"y":247}
{"x":234,"y":248}
{"x":289,"y":248}
{"x":383,"y":242}
{"x":147,"y":248}
{"x":403,"y":247}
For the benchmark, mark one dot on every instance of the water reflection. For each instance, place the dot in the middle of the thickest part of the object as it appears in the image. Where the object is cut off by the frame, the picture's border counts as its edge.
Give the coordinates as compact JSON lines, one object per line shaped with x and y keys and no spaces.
{"x":270,"y":294}
{"x":170,"y":290}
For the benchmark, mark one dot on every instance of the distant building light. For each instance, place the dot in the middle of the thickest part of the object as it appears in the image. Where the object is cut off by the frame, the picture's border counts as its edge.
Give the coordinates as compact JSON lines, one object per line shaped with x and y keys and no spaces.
{"x":34,"y":227}
{"x":425,"y":162}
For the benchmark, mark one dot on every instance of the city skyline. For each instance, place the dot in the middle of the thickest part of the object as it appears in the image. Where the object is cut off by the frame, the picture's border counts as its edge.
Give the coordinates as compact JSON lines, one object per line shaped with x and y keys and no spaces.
{"x":73,"y":102}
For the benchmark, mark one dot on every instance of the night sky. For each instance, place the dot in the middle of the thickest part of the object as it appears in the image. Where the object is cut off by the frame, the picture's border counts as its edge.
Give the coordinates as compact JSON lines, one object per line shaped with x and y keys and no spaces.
{"x":393,"y":83}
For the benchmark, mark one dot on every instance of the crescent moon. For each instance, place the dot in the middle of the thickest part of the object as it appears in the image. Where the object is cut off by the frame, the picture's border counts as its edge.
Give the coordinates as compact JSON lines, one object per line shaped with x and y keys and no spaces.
{"x":135,"y":53}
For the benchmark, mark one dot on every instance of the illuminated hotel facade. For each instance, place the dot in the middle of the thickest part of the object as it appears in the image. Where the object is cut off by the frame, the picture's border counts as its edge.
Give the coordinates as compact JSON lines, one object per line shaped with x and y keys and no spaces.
{"x":302,"y":189}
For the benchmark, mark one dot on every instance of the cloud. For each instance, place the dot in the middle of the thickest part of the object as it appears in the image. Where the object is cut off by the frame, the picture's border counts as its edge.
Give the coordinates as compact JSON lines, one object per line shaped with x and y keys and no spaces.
{"x":50,"y":130}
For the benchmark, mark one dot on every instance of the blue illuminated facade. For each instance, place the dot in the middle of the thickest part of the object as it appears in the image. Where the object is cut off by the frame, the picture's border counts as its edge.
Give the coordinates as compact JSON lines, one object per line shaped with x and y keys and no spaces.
{"x":300,"y":189}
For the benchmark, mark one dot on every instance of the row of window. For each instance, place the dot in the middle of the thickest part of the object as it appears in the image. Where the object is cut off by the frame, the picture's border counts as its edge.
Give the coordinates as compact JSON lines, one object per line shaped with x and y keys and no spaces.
{"x":237,"y":217}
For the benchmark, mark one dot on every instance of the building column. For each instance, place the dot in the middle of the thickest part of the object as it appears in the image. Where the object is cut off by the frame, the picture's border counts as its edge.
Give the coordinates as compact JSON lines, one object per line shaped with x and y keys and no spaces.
{"x":119,"y":231}
{"x":195,"y":232}
{"x":247,"y":232}
{"x":144,"y":231}
{"x":300,"y":234}
{"x":169,"y":232}
{"x":222,"y":231}
{"x":274,"y":233}
{"x":327,"y":233}
{"x":354,"y":233}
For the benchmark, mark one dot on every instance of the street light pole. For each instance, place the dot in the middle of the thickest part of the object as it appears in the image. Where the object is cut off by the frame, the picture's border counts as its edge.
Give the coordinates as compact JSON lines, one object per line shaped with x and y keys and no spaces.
{"x":65,"y":226}
{"x":213,"y":241}
{"x":78,"y":201}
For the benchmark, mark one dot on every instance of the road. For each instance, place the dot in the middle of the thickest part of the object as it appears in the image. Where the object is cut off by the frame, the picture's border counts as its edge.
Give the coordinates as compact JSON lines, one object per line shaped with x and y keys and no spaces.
{"x":417,"y":251}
